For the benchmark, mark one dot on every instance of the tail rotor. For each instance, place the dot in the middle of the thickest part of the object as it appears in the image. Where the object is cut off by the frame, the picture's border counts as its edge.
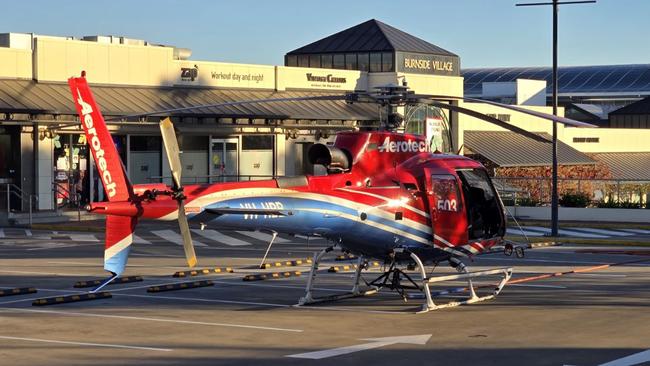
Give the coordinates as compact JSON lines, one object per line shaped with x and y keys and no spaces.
{"x":171,"y":148}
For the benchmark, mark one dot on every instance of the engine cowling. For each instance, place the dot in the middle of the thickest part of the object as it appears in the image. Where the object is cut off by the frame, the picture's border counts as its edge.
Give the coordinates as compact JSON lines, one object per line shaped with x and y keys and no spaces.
{"x":335,"y":159}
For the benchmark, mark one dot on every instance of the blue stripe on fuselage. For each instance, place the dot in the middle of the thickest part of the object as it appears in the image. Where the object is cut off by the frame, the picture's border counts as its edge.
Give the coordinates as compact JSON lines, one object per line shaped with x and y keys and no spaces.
{"x":304,"y":221}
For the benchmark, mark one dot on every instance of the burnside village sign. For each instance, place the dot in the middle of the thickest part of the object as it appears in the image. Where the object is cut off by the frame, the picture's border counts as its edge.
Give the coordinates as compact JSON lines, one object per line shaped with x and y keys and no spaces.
{"x":417,"y":63}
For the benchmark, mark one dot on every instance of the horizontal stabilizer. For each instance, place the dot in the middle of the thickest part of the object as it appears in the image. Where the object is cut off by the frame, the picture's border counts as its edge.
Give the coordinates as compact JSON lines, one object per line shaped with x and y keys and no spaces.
{"x":246,"y":211}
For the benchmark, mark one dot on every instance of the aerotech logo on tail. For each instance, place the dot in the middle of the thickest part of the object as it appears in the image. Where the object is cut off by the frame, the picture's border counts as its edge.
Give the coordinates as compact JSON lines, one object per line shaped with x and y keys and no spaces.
{"x":103,"y":150}
{"x":96,"y":144}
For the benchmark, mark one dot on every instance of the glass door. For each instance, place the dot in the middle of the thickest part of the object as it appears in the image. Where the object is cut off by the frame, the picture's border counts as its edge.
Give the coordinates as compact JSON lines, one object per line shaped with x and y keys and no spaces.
{"x":225,"y":160}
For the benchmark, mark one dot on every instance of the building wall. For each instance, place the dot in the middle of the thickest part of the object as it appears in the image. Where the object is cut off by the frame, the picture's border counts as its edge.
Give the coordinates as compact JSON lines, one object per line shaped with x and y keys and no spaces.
{"x":522,"y":120}
{"x":15,"y":63}
{"x":629,"y":120}
{"x":609,"y":139}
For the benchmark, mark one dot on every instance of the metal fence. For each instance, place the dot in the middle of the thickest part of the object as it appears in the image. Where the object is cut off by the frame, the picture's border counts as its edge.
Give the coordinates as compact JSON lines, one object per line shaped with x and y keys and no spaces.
{"x":526,"y":191}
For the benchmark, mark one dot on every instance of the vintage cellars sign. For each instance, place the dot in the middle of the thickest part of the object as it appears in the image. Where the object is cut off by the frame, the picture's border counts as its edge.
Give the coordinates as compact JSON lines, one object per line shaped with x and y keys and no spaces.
{"x":428,"y":64}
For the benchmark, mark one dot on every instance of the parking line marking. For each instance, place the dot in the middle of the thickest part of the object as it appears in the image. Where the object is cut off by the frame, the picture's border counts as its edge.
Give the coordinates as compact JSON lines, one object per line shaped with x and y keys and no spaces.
{"x":602,"y":231}
{"x":221,"y":238}
{"x":544,"y":231}
{"x":83,"y":237}
{"x":175,"y":237}
{"x":161,"y":320}
{"x":139,"y":240}
{"x":205,"y":300}
{"x":634,"y":359}
{"x":263,"y":236}
{"x":87,"y":344}
{"x":638,"y":231}
{"x":510,"y":259}
{"x":540,"y":286}
{"x":517,"y":232}
{"x":45,"y":273}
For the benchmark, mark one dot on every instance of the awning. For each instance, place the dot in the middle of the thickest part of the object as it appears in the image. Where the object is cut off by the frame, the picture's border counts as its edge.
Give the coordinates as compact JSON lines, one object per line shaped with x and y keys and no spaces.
{"x":634,"y":165}
{"x":30,"y":97}
{"x":510,"y":149}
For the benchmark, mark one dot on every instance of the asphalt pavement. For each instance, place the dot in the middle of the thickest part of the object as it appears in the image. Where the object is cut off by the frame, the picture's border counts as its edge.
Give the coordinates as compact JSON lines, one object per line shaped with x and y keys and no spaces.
{"x":578,"y":318}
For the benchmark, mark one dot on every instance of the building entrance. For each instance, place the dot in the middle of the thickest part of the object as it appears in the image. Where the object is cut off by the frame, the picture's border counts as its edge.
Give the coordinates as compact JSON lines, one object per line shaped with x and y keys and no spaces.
{"x":71,"y":170}
{"x":224,"y":166}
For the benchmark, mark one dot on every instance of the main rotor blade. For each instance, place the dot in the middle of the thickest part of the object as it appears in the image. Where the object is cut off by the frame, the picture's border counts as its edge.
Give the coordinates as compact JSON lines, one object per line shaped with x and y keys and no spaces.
{"x":564,"y":120}
{"x":171,"y":148}
{"x":487,"y":118}
{"x":188,"y":246}
{"x":228,"y":104}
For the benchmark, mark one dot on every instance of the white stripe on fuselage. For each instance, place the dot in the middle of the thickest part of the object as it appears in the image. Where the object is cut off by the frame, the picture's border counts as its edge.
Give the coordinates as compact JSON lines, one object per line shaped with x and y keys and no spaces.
{"x":242,"y":193}
{"x":410,"y":208}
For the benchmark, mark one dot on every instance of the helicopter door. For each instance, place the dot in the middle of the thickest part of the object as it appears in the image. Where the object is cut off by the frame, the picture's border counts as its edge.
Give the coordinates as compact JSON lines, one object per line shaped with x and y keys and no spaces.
{"x":448,"y":218}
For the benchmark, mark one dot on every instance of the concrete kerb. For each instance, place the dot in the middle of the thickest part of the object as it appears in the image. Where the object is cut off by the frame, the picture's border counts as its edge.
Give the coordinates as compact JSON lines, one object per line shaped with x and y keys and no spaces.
{"x":627,"y":242}
{"x":96,"y":226}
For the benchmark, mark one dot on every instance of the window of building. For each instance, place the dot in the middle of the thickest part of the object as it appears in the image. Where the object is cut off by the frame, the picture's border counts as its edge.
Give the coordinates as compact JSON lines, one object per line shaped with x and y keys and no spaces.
{"x":362,"y":61}
{"x":292,"y":60}
{"x":145,"y":159}
{"x":326,"y":61}
{"x":351,"y":61}
{"x":314,"y":61}
{"x":257,"y":142}
{"x":386,"y":62}
{"x":338,"y":61}
{"x":303,"y":60}
{"x":194,"y":158}
{"x":375,"y":62}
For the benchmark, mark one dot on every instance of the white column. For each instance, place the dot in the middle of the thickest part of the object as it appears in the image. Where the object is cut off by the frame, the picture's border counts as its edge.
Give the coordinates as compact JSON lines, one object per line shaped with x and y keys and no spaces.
{"x":280,"y":160}
{"x":45,"y":170}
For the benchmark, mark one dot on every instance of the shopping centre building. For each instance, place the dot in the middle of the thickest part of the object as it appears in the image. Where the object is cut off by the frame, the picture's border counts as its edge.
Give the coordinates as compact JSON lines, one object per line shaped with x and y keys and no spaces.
{"x":41,"y":143}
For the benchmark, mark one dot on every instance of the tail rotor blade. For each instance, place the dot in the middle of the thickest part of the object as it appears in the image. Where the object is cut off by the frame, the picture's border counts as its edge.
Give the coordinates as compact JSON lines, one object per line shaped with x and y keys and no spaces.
{"x":171,"y":148}
{"x":187,"y":237}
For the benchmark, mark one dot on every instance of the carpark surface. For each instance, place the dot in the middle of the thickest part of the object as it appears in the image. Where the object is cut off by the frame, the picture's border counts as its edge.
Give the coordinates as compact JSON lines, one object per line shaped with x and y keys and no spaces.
{"x":589,"y":318}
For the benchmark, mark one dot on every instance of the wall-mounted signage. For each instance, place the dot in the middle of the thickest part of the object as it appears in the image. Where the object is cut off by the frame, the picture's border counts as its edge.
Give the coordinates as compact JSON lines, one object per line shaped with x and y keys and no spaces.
{"x":189,"y":73}
{"x":314,"y":78}
{"x":217,"y":74}
{"x":418,"y":63}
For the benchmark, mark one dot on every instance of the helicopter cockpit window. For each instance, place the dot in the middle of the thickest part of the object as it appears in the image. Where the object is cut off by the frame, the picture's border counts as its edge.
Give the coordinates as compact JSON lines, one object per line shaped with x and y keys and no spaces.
{"x":446,"y":193}
{"x":483,"y":212}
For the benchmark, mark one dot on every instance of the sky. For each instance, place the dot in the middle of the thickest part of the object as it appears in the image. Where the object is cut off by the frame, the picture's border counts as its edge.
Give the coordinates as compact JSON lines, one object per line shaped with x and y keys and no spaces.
{"x":484,"y":33}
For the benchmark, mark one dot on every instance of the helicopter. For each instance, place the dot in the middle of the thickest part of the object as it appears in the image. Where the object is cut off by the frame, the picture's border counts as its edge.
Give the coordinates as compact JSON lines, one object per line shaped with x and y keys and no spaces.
{"x":386,"y":196}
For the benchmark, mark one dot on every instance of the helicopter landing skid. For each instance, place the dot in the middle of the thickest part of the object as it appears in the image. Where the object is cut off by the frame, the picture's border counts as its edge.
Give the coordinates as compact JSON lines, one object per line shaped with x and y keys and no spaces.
{"x":463,"y":274}
{"x":354,"y":292}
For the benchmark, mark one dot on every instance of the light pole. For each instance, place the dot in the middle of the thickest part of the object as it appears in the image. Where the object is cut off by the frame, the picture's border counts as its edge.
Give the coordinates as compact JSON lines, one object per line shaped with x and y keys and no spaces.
{"x":554,"y":194}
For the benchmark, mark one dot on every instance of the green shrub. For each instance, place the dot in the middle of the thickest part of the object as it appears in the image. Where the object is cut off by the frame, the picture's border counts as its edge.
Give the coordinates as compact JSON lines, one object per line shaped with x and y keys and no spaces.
{"x":527,"y":202}
{"x":613,"y":204}
{"x":574,"y":200}
{"x":628,"y":204}
{"x":608,"y":204}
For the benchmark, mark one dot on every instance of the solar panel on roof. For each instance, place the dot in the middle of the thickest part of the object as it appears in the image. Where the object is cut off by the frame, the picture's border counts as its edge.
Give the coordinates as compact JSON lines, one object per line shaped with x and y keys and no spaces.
{"x":572,"y":79}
